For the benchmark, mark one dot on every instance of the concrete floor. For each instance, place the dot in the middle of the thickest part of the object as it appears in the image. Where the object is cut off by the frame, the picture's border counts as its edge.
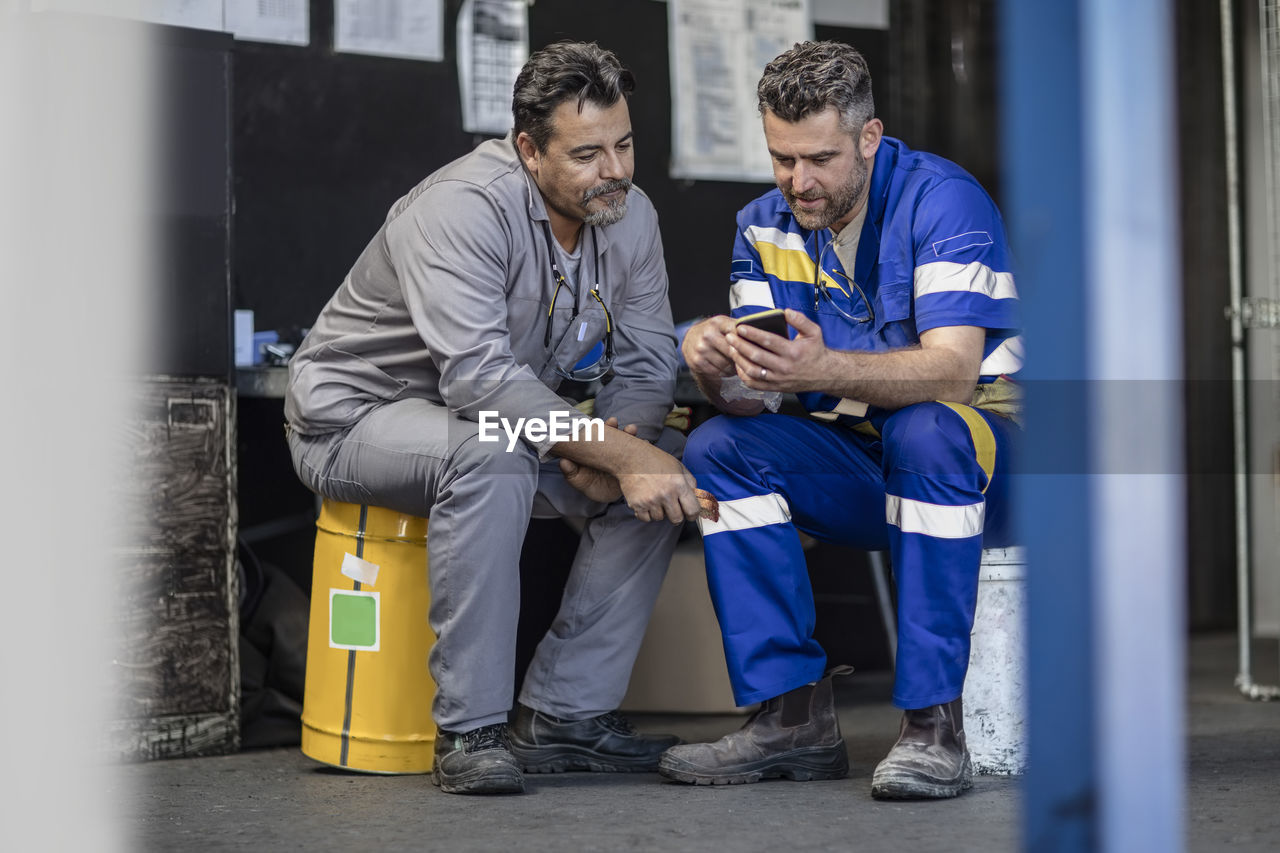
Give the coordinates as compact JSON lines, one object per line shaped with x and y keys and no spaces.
{"x":279,"y":799}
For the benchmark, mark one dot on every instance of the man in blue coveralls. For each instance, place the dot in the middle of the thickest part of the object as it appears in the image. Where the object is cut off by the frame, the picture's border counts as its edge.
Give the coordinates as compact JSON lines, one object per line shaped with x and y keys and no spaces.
{"x":893,"y":270}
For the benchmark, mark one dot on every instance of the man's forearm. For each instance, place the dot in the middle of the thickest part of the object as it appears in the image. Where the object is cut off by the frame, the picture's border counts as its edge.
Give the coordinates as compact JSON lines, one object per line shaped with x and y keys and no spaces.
{"x":653,"y":482}
{"x":892,"y":380}
{"x":614,"y":451}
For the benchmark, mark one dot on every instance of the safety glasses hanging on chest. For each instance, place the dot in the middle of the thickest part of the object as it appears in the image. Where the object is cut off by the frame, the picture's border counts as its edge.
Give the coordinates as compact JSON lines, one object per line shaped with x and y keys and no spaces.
{"x":851,"y":310}
{"x":594,"y":369}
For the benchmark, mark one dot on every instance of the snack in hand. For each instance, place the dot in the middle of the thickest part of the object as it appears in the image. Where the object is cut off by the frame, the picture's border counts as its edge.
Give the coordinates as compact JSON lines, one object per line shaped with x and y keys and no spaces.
{"x":710,"y":507}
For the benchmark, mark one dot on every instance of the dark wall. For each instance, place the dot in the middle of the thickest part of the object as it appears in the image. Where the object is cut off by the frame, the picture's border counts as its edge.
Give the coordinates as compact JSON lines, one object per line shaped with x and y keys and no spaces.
{"x":1210,"y":532}
{"x":192,"y":332}
{"x":324,"y":143}
{"x":944,"y":54}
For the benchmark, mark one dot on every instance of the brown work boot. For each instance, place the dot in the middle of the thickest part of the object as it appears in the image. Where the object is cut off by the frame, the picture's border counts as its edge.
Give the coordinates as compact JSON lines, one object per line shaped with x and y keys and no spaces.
{"x":792,"y":736}
{"x":930,"y":760}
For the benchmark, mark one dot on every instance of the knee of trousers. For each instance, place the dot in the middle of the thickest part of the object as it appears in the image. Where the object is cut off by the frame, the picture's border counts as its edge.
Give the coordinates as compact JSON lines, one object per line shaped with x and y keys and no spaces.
{"x":929,"y":439}
{"x":475,"y":460}
{"x":717,"y":445}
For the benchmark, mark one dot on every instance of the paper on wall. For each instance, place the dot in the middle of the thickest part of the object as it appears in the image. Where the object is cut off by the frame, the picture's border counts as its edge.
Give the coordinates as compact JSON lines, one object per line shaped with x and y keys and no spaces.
{"x":411,"y":29}
{"x":718,"y":50}
{"x":280,"y":21}
{"x":493,"y":45}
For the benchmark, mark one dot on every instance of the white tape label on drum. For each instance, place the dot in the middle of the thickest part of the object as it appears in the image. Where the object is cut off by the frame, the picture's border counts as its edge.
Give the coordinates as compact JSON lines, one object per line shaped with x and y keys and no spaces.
{"x":361,"y":571}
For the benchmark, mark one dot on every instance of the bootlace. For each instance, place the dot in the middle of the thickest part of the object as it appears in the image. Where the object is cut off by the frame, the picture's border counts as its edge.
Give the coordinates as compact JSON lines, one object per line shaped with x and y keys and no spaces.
{"x":618,"y":723}
{"x":485,"y":737}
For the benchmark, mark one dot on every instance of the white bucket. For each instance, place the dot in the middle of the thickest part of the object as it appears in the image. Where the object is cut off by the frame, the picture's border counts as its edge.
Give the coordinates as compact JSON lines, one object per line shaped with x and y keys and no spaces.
{"x":995,"y":690}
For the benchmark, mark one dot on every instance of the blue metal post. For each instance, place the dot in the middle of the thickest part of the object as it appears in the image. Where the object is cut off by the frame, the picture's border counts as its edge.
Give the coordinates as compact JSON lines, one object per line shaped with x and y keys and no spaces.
{"x":1089,"y":149}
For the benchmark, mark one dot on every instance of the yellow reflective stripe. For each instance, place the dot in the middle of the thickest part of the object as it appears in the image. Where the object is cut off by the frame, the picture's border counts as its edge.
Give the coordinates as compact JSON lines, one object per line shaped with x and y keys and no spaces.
{"x":786,"y":264}
{"x":984,"y":440}
{"x":866,"y":428}
{"x":791,"y":265}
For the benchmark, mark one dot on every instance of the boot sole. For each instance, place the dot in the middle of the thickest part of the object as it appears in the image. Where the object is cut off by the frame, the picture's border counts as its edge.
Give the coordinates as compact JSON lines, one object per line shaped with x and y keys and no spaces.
{"x":566,"y":759}
{"x":487,"y":783}
{"x":910,"y":788}
{"x":812,"y":765}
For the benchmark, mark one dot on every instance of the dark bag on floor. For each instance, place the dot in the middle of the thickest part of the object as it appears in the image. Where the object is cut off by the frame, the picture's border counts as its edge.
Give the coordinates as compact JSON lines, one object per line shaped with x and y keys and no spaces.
{"x":274,"y":615}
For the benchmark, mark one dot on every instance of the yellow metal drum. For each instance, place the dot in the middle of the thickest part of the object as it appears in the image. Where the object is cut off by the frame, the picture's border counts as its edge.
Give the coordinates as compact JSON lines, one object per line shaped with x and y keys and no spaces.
{"x":367,"y":701}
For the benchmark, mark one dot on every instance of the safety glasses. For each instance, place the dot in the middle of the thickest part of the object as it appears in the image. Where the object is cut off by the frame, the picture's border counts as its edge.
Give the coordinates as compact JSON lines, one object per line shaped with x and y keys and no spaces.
{"x":594,"y":368}
{"x":822,"y":290}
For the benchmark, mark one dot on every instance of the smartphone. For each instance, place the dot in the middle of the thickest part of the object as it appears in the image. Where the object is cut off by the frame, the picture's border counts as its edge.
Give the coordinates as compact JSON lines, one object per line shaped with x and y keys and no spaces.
{"x":774,"y":320}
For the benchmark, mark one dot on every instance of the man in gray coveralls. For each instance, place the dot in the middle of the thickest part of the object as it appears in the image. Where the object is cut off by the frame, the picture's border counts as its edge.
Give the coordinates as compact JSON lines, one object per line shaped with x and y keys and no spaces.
{"x":530,"y":260}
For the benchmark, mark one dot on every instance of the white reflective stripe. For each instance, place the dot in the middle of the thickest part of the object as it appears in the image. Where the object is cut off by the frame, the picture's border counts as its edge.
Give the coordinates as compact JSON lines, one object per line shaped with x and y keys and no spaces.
{"x":851,"y":407}
{"x":747,"y":291}
{"x":977,"y":277}
{"x":1004,"y":359}
{"x":775,"y":236}
{"x":844,"y":407}
{"x":942,"y":522}
{"x":748,"y":513}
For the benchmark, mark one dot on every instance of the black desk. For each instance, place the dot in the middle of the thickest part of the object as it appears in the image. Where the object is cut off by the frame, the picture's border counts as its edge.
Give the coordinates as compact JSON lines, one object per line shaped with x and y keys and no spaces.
{"x":266,"y":381}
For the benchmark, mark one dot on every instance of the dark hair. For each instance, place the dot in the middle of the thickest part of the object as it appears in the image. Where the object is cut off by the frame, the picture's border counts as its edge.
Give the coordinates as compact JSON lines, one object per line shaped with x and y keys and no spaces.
{"x":814,"y":75}
{"x":561,"y":71}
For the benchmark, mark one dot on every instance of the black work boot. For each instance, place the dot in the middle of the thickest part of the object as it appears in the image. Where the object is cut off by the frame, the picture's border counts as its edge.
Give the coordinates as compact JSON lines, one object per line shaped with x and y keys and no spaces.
{"x":792,"y":736}
{"x":606,"y":744}
{"x":930,"y":760}
{"x":476,"y":762}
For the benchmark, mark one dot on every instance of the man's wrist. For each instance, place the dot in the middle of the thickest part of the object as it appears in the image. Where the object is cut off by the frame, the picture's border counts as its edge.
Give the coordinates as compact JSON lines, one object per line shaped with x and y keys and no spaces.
{"x":708,"y":382}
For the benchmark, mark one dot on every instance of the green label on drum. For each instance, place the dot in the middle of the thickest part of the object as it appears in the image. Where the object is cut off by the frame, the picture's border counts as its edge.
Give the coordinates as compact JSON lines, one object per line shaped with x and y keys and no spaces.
{"x":353,"y":620}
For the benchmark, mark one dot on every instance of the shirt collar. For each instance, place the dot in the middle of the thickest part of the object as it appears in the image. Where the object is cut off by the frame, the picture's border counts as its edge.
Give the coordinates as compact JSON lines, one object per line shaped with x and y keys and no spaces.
{"x":881,"y":173}
{"x":538,"y":211}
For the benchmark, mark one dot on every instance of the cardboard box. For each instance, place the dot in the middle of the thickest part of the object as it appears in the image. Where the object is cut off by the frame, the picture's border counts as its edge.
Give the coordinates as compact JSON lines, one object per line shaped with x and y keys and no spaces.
{"x":681,"y":668}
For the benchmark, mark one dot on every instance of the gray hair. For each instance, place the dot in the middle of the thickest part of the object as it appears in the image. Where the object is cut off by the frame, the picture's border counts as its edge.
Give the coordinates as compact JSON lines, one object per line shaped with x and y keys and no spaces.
{"x":560,"y":71}
{"x":814,"y":75}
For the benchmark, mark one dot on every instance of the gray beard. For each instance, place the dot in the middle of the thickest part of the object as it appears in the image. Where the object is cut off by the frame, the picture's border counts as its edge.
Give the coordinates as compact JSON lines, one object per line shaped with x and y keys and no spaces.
{"x":614,"y":212}
{"x":611,"y":215}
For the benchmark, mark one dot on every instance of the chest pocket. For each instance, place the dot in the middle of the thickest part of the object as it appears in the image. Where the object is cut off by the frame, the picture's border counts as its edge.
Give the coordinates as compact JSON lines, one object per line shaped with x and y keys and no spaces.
{"x":894,"y":299}
{"x":573,"y":339}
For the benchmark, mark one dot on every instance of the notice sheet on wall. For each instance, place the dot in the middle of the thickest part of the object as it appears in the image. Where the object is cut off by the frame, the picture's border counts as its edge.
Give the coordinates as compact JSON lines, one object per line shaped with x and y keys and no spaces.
{"x":200,"y":14}
{"x":718,"y":49}
{"x":410,"y":29}
{"x":493,"y":45}
{"x":280,"y":21}
{"x":197,"y":14}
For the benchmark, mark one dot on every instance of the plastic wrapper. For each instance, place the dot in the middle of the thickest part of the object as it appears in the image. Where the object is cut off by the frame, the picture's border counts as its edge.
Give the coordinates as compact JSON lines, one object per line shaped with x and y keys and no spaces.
{"x":732,"y":388}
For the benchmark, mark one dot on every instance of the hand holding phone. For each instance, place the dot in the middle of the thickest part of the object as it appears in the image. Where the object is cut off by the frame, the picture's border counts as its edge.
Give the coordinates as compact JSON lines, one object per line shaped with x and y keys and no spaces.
{"x":773,"y":321}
